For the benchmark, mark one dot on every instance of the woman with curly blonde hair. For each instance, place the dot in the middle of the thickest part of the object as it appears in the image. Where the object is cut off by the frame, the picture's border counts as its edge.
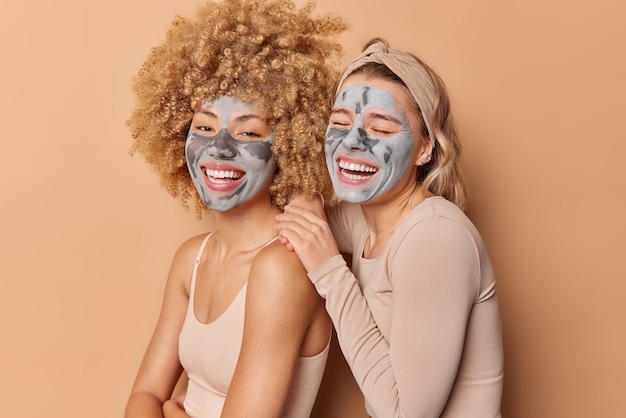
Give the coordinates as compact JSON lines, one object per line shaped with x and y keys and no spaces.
{"x":417,"y":314}
{"x":231,"y":111}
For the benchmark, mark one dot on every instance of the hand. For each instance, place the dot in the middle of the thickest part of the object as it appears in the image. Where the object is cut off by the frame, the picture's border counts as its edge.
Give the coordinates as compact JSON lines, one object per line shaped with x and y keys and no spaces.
{"x":303,"y":228}
{"x":315,"y":204}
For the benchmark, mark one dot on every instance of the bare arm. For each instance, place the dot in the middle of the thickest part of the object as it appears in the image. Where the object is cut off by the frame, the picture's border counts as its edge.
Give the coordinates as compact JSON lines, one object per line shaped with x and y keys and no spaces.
{"x":160,"y":368}
{"x":174,"y":408}
{"x":280,"y":305}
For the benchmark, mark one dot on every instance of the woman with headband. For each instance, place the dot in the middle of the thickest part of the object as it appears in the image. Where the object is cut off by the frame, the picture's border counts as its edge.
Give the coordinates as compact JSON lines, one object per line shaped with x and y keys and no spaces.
{"x":417,"y":317}
{"x":231,"y":110}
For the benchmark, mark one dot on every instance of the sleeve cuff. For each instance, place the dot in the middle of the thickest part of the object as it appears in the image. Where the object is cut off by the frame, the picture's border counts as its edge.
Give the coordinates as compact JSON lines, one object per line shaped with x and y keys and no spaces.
{"x":326,"y":267}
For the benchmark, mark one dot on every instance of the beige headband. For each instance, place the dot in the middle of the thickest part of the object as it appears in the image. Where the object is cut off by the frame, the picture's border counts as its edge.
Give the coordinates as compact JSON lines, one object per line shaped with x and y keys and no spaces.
{"x":407,"y":68}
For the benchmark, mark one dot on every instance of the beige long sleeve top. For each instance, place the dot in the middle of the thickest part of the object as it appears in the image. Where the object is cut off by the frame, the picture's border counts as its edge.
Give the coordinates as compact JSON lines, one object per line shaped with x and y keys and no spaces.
{"x":419,"y":325}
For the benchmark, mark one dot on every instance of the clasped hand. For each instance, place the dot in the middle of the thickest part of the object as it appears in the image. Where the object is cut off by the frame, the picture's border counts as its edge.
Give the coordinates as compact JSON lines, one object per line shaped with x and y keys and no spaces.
{"x":303,"y":228}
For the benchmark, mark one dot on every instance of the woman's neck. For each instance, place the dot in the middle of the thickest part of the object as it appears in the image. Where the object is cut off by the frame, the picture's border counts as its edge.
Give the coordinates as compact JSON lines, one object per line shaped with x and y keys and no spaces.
{"x":246,"y":227}
{"x":384,"y":215}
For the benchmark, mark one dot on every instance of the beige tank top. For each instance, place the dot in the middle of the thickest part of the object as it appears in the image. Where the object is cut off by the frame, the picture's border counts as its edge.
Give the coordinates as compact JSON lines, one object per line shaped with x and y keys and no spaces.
{"x":209,"y":352}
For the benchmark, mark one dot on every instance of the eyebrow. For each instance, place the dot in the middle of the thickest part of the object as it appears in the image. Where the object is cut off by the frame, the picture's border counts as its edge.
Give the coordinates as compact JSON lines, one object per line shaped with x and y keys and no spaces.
{"x":384,"y":116}
{"x":246,"y":117}
{"x":209,"y":113}
{"x":242,"y":118}
{"x":340,"y":110}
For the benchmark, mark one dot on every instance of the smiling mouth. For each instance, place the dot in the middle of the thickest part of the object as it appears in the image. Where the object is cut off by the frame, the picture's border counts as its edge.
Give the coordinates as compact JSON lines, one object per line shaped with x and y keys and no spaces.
{"x":354,"y":171}
{"x":222,"y":176}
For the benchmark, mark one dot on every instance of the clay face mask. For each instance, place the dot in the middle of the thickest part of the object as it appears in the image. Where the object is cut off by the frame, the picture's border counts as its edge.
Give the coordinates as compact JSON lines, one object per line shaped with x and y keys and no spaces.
{"x":368,"y":143}
{"x":229,"y":153}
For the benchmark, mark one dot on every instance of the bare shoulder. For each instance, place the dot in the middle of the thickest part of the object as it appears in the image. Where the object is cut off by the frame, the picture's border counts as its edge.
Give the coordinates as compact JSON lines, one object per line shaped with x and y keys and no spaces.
{"x":184,"y":258}
{"x":189,"y":248}
{"x":280,"y":270}
{"x":282,"y":300}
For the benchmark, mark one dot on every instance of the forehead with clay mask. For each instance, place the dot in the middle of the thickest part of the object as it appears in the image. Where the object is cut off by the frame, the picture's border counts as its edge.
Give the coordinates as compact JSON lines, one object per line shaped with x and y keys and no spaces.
{"x":369,"y":143}
{"x":229,"y":153}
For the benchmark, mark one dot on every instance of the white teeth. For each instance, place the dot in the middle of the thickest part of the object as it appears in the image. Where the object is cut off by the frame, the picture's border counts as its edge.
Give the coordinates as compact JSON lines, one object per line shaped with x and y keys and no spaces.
{"x":356,"y":167}
{"x":221,"y":174}
{"x":354,"y":176}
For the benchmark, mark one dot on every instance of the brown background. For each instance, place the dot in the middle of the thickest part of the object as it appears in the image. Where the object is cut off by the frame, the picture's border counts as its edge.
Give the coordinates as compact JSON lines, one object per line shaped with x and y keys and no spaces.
{"x":87,"y":234}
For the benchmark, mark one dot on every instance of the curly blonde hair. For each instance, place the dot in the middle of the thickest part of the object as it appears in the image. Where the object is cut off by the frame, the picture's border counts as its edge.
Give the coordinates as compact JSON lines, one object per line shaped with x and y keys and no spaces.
{"x":263,"y":51}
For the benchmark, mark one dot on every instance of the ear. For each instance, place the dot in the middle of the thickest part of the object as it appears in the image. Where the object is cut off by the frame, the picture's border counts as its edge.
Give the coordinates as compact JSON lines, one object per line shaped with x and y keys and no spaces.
{"x":426,"y":151}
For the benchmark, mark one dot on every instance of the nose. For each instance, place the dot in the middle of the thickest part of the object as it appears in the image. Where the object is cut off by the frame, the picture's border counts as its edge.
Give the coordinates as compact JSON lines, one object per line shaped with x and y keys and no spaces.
{"x":355,"y":140}
{"x":223,"y":146}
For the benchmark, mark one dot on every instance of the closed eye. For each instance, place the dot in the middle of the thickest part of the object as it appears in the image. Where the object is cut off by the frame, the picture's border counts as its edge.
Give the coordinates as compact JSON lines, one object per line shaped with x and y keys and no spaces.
{"x":340,"y":122}
{"x":341,"y":118}
{"x":340,"y":125}
{"x":382,"y":124}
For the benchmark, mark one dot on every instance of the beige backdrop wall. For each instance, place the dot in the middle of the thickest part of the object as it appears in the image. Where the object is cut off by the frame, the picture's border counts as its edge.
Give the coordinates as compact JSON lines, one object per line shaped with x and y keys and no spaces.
{"x":87,"y":234}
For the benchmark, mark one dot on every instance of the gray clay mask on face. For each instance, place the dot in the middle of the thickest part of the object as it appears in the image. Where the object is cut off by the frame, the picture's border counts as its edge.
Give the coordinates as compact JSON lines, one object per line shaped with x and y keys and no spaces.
{"x":364,"y":160}
{"x":229,"y":153}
